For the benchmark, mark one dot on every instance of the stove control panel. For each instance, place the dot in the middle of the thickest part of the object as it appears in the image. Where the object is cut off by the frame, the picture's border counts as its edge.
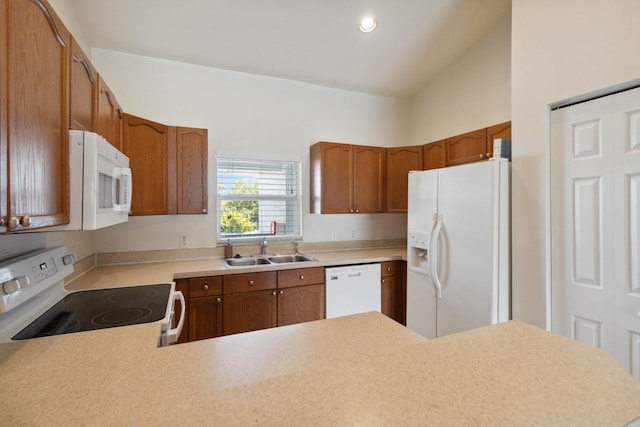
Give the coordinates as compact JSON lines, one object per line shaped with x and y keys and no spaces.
{"x":44,"y":269}
{"x":26,"y":276}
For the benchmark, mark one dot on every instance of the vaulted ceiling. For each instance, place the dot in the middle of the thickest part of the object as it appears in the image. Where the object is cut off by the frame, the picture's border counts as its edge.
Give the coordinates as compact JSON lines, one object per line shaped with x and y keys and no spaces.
{"x":314,"y":41}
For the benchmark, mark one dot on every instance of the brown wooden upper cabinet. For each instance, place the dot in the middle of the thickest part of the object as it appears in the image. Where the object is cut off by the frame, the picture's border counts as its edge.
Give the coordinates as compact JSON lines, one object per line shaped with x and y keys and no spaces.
{"x":501,"y":130}
{"x":433,"y":155}
{"x":476,"y":145}
{"x":400,"y":160}
{"x":108,"y":115}
{"x":466,"y":148}
{"x":192,"y":147}
{"x":346,"y":178}
{"x":152,"y":159}
{"x":83,"y":86}
{"x":168,"y":167}
{"x":34,"y":125}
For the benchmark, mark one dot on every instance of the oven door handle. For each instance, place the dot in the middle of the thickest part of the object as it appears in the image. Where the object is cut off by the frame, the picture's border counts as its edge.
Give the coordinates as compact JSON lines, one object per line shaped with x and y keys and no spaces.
{"x":173,"y":334}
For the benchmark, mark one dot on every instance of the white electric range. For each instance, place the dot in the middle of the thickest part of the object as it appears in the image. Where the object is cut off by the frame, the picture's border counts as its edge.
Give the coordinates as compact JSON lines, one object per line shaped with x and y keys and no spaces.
{"x":36,"y":304}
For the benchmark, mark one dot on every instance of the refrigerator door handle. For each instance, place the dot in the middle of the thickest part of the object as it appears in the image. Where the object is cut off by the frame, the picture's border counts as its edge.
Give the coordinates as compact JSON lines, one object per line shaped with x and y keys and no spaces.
{"x":435,"y":249}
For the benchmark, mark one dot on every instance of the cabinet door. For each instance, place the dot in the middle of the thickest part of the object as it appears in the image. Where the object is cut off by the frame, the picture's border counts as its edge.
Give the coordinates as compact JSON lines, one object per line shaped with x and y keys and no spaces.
{"x":390,"y":296}
{"x":151,"y":152}
{"x":36,"y":49}
{"x":394,"y":290}
{"x":83,"y":83}
{"x":205,"y":317}
{"x":502,"y":130}
{"x":104,"y":111}
{"x":401,"y":160}
{"x":433,"y":156}
{"x":249,"y":311}
{"x":300,"y":304}
{"x":467,"y":148}
{"x":331,"y":178}
{"x":368,"y":179}
{"x":117,"y":125}
{"x":192,"y":160}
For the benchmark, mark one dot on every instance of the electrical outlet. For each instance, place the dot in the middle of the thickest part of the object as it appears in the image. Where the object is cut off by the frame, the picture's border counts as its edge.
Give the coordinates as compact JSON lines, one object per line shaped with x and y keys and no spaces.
{"x":334,"y":235}
{"x":183,"y":242}
{"x":353,"y":234}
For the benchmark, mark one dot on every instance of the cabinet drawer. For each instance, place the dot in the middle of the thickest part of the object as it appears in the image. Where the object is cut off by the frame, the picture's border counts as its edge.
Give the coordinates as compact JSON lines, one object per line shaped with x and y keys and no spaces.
{"x":300,"y":276}
{"x":205,"y":286}
{"x":388,"y":268}
{"x":247,"y":282}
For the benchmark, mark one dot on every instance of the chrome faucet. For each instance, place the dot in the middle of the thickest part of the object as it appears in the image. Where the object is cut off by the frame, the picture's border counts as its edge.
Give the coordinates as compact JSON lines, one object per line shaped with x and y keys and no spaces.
{"x":264,"y":245}
{"x":296,"y":245}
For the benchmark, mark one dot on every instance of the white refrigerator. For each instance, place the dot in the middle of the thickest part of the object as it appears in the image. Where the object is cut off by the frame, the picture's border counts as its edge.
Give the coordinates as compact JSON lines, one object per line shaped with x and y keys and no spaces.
{"x":458,"y":248}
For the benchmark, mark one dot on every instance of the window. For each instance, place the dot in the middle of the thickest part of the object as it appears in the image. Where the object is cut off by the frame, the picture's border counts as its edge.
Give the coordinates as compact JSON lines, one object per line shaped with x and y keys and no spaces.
{"x":258,"y":198}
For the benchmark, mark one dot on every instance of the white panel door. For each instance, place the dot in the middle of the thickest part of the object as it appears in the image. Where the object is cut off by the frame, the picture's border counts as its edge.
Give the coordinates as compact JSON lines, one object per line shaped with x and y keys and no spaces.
{"x":595,"y":165}
{"x":626,"y":263}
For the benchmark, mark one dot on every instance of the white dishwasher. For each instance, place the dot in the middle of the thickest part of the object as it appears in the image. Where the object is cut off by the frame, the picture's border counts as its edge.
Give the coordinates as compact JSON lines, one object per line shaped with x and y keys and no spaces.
{"x":352,"y":289}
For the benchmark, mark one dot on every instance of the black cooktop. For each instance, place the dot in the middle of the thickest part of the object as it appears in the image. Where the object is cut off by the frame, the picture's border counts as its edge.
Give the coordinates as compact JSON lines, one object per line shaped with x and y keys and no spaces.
{"x":101,"y":309}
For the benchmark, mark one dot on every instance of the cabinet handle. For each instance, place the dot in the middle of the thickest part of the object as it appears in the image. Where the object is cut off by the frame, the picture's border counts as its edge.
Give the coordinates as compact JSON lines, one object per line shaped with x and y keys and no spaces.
{"x":206,"y":287}
{"x":488,"y":155}
{"x":250,"y":282}
{"x":204,"y":211}
{"x":301,"y":277}
{"x":25,"y":221}
{"x":482,"y":156}
{"x":388,"y":268}
{"x":12,"y":223}
{"x":273,"y":293}
{"x":384,"y":281}
{"x":351,"y":210}
{"x":87,"y":69}
{"x":281,"y":292}
{"x":218,"y":299}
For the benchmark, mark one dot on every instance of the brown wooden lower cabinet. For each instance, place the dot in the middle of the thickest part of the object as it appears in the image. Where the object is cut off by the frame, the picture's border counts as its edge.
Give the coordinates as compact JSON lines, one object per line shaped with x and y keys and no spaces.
{"x":249,"y":311}
{"x":204,"y":308}
{"x":235,"y":303}
{"x":205,"y":318}
{"x":300,"y":304}
{"x":393,"y":290}
{"x":300,"y":295}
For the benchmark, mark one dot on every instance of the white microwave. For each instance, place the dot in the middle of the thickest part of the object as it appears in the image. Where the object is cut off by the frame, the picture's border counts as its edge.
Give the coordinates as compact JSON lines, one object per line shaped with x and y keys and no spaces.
{"x":99,"y":183}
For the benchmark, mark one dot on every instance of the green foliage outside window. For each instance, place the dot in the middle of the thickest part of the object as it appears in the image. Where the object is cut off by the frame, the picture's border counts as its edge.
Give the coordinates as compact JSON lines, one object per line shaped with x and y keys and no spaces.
{"x":240,"y":216}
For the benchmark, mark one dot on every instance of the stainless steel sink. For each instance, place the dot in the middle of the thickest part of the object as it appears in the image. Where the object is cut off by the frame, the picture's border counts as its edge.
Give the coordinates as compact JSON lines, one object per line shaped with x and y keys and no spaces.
{"x":264,"y":260}
{"x":281,"y":259}
{"x":245,"y":262}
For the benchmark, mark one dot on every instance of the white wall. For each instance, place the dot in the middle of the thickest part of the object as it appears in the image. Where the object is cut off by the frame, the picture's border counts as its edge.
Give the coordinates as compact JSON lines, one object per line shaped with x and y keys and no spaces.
{"x":472,"y":93}
{"x":560,"y":50}
{"x":248,"y":115}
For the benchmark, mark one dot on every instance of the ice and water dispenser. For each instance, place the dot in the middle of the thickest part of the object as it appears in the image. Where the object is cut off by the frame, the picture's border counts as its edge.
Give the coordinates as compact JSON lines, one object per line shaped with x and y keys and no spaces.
{"x":418,"y":251}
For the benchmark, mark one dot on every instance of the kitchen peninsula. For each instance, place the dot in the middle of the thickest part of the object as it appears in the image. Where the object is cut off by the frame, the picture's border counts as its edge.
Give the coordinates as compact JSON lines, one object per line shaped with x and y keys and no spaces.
{"x":357,"y":370}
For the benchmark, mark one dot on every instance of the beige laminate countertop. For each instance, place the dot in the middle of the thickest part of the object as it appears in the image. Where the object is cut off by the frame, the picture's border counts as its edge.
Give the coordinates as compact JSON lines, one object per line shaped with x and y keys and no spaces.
{"x":357,"y":370}
{"x":157,"y":272}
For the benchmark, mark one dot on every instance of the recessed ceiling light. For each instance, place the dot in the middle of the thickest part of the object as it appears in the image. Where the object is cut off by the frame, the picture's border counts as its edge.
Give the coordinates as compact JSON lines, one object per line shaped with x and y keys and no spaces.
{"x":368,"y":24}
